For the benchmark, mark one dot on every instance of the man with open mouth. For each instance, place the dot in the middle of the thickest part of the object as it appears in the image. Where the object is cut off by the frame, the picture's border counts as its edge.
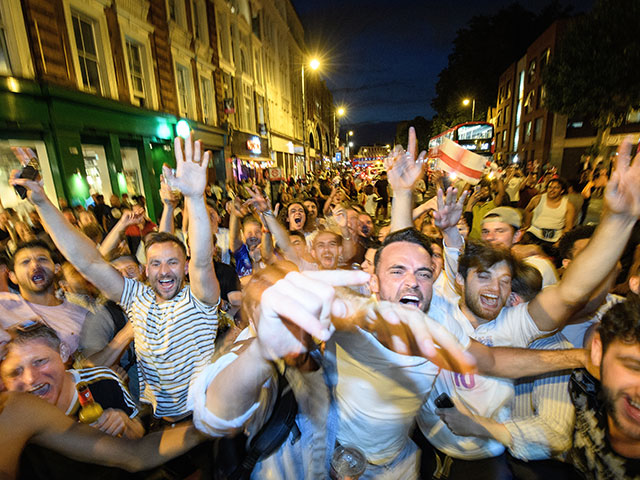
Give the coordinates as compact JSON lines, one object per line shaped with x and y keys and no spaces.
{"x":174,"y":323}
{"x":35,"y":363}
{"x":34,"y":271}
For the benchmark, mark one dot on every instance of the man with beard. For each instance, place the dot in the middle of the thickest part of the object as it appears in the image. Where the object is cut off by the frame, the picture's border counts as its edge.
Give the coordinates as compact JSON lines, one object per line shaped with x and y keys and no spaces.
{"x":34,"y":271}
{"x":602,"y":437}
{"x":362,"y":382}
{"x":174,"y":324}
{"x":484,"y":277}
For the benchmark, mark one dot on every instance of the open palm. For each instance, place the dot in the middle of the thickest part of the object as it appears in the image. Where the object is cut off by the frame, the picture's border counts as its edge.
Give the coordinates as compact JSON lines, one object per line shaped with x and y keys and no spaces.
{"x":623,"y":190}
{"x":190,"y":175}
{"x":403,"y":168}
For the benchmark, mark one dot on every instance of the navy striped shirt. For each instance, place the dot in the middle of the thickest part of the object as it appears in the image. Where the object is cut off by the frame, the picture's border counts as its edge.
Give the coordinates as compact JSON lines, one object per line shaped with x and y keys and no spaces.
{"x":174,"y":341}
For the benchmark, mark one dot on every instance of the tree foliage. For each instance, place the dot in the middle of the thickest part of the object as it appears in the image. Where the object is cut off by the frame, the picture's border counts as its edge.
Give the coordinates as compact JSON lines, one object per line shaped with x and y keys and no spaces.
{"x":481,"y":52}
{"x":594,"y":74}
{"x":423,"y":132}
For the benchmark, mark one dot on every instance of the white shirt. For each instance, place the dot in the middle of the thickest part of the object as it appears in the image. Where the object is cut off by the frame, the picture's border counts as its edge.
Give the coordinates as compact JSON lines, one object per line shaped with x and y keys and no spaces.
{"x":545,"y":267}
{"x":484,"y":396}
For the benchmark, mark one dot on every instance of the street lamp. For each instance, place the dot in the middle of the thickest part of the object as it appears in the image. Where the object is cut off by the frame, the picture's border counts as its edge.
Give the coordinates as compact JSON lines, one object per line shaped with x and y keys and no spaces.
{"x":348,"y":143}
{"x":466,"y":102}
{"x":340,"y":112}
{"x":314,"y":64}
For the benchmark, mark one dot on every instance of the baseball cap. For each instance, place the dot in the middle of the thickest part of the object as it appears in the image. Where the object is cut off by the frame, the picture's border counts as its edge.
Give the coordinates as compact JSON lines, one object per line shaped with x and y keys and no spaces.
{"x":508,"y":215}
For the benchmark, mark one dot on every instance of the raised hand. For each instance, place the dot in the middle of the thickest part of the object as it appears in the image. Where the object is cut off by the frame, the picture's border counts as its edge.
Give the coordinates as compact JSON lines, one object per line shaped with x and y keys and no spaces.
{"x":131,"y":218}
{"x":236,"y":208}
{"x":449,"y":210}
{"x":300,"y":306}
{"x":622,"y":194}
{"x":340,"y":216}
{"x":190,"y":174}
{"x":167,"y":195}
{"x":403,"y":168}
{"x":408,"y":331}
{"x":35,"y":190}
{"x":257,"y":200}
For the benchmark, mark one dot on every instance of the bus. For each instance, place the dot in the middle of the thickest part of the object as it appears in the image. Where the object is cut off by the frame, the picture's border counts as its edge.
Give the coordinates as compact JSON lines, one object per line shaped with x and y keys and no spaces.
{"x":474,"y":136}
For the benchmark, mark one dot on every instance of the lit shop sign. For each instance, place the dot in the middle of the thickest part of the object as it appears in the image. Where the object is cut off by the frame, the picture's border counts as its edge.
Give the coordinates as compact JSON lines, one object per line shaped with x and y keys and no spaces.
{"x":253,"y":145}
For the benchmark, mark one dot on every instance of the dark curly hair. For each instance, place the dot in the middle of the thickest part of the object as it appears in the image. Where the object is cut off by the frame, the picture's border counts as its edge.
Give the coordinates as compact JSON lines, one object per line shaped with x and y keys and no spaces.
{"x":621,"y":322}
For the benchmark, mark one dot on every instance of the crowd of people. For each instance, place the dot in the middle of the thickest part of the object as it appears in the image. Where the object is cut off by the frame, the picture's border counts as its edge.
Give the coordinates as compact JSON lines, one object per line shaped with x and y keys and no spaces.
{"x":391,"y":325}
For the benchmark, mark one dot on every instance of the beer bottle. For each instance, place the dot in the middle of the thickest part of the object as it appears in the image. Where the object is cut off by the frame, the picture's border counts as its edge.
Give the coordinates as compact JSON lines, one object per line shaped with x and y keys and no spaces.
{"x":90,"y":410}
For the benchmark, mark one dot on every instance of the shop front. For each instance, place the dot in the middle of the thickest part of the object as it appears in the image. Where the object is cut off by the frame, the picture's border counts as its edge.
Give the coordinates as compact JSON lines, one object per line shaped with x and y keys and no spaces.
{"x":88,"y":145}
{"x":249,"y":157}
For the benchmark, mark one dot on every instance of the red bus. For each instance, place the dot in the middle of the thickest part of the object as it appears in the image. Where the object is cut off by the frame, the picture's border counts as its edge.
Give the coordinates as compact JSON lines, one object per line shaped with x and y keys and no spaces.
{"x":474,"y":136}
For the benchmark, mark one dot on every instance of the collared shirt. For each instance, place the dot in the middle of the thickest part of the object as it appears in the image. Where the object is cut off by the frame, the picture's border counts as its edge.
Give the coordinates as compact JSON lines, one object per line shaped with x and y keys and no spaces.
{"x":174,"y":341}
{"x":484,"y":396}
{"x":541,"y":410}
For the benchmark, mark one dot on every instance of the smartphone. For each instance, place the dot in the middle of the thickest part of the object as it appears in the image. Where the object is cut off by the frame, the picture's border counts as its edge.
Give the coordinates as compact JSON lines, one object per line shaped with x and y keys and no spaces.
{"x":443,"y":401}
{"x":29,"y":172}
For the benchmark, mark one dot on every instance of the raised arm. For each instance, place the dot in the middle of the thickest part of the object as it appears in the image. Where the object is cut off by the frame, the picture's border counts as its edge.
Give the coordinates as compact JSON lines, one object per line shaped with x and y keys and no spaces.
{"x":404,"y":171}
{"x":553,"y":305}
{"x":278,"y":231}
{"x":115,"y":235}
{"x":73,"y":244}
{"x":447,"y":216}
{"x":190,"y":177}
{"x":528,"y":212}
{"x":235,"y":217}
{"x":169,"y":203}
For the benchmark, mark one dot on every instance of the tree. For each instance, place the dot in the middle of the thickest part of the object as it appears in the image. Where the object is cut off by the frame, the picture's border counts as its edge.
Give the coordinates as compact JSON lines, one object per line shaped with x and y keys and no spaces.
{"x":481,"y":52}
{"x":594,"y":73}
{"x":423,"y":132}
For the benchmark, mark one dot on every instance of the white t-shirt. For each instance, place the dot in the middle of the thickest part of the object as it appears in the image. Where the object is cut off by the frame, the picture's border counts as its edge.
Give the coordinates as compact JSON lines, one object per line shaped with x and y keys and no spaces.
{"x":379,"y":392}
{"x":545,"y":267}
{"x":484,"y":396}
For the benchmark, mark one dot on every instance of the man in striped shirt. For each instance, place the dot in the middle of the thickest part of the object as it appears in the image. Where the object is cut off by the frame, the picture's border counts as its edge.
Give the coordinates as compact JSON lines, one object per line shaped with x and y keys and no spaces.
{"x":174,"y":324}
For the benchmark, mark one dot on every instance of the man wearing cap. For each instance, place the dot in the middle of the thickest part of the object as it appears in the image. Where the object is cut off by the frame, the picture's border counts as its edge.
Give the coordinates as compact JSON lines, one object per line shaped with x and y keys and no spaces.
{"x":501,"y":228}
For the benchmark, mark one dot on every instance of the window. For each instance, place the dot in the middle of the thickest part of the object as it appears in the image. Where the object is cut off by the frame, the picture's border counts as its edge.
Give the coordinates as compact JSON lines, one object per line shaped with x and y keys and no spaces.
{"x":184,"y":90}
{"x":544,"y":59}
{"x":504,"y":139}
{"x":223,"y":37}
{"x":531,"y":73}
{"x":171,"y":10}
{"x":248,"y":117}
{"x":527,"y":131}
{"x":136,"y":74}
{"x":199,"y":16}
{"x":529,"y":104}
{"x":505,"y":120}
{"x":537,"y":130}
{"x":5,"y":63}
{"x":208,"y":106}
{"x":84,"y":30}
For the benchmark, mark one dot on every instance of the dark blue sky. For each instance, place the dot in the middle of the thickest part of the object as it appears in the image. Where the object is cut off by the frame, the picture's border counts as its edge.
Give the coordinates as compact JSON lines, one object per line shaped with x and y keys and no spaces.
{"x":381,"y":58}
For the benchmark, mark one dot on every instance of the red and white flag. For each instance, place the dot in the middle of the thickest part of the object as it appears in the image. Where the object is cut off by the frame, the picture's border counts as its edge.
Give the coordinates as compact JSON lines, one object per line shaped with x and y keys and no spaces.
{"x":467,"y":165}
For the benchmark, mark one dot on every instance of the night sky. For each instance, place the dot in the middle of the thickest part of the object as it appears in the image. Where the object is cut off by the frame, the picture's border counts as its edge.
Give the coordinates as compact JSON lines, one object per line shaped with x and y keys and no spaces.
{"x":381,"y":58}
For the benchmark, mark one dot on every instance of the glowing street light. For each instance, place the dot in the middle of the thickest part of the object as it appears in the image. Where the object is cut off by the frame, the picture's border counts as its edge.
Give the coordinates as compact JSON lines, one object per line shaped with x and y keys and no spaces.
{"x":466,"y":102}
{"x":314,"y":64}
{"x":341,"y":111}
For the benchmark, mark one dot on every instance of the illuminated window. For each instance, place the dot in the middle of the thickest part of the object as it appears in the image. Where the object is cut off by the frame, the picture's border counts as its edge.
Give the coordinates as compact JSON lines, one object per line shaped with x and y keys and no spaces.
{"x":84,"y":30}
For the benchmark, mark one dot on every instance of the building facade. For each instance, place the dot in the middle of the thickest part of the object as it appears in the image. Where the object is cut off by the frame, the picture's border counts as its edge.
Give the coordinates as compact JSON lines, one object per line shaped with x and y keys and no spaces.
{"x":96,"y":88}
{"x":527,"y":132}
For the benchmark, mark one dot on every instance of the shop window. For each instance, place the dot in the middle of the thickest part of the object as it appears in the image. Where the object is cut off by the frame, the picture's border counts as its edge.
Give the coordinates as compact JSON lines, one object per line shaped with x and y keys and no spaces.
{"x":131,"y":170}
{"x":86,"y":36}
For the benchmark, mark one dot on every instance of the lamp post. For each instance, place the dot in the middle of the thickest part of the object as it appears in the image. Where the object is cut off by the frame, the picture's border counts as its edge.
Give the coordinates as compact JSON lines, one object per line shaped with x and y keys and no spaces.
{"x":347,"y":143}
{"x":466,"y":102}
{"x":340,"y":112}
{"x":313,"y":64}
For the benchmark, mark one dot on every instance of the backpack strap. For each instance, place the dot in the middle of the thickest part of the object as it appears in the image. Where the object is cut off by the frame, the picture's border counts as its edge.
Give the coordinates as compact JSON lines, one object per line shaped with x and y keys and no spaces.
{"x":273,"y":433}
